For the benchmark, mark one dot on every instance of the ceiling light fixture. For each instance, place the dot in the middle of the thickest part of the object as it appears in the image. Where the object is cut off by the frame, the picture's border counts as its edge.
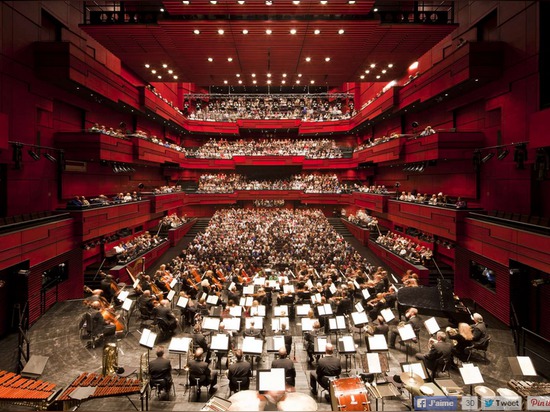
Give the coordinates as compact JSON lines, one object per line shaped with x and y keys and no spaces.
{"x":221,"y":31}
{"x":164,"y":65}
{"x":384,"y":71}
{"x":297,"y":81}
{"x":253,"y":74}
{"x":241,"y":2}
{"x":367,"y":71}
{"x":373,"y":65}
{"x":50,"y":157}
{"x":34,"y":155}
{"x":351,"y":1}
{"x":268,"y":2}
{"x":390,"y":65}
{"x":147,"y":65}
{"x":268,"y":31}
{"x":238,"y":75}
{"x":362,"y":76}
{"x":153,"y":71}
{"x":186,"y":2}
{"x":487,"y":157}
{"x":283,"y":82}
{"x":323,"y":1}
{"x":225,"y":82}
{"x":317,"y":31}
{"x":159,"y":76}
{"x":293,"y":31}
{"x":500,"y":156}
{"x":175,"y":77}
{"x":269,"y":82}
{"x":196,"y":31}
{"x":413,"y":66}
{"x":375,"y":10}
{"x":312,"y":81}
{"x":170,"y":71}
{"x":245,"y":31}
{"x":299,"y":74}
{"x":341,"y":31}
{"x":254,"y":82}
{"x":230,"y":59}
{"x":268,"y":74}
{"x":162,"y":10}
{"x":327,"y":59}
{"x":210,"y":59}
{"x":214,"y":2}
{"x":240,"y":82}
{"x":378,"y":76}
{"x":296,"y":2}
{"x":308,"y":59}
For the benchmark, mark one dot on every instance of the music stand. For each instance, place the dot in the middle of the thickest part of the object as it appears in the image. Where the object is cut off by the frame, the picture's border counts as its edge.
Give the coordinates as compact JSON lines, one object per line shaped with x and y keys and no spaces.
{"x":209,"y":323}
{"x":387,"y":314}
{"x":432,"y":326}
{"x":346,"y":346}
{"x":377,"y":343}
{"x":220,"y":342}
{"x":232,"y":324}
{"x":179,"y":346}
{"x":359,"y":319}
{"x":307,"y":324}
{"x":147,"y":340}
{"x":257,"y":310}
{"x":127,"y":307}
{"x":407,"y":334}
{"x":258,"y":322}
{"x":281,"y":310}
{"x":274,"y":343}
{"x":320,"y":345}
{"x":324,"y":310}
{"x":337,"y":324}
{"x":276,"y":323}
{"x":522,"y":366}
{"x":416,"y":368}
{"x":236,"y":311}
{"x":252,"y":346}
{"x":471,"y":375}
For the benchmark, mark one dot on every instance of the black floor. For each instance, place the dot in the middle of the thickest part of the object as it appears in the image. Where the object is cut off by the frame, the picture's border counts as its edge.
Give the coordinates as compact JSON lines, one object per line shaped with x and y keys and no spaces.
{"x":56,"y":335}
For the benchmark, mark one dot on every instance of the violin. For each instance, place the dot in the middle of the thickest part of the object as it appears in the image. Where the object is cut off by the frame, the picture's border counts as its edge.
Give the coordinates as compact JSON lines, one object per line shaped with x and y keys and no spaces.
{"x":196,"y":275}
{"x":220,"y":275}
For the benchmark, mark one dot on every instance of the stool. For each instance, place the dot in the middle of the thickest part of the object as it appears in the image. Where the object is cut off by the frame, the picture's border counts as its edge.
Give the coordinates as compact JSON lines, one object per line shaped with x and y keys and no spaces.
{"x":198,"y":389}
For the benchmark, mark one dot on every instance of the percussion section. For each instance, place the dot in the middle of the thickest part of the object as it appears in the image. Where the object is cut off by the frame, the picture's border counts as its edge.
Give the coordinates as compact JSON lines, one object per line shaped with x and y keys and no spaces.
{"x":349,"y":394}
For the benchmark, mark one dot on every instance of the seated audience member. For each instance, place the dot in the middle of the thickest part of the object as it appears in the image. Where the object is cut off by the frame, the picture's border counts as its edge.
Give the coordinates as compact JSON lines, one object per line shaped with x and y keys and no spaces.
{"x":160,"y":371}
{"x":198,"y":369}
{"x":240,"y":371}
{"x":75,"y":202}
{"x":328,"y":366}
{"x":283,"y":362}
{"x":440,"y":351}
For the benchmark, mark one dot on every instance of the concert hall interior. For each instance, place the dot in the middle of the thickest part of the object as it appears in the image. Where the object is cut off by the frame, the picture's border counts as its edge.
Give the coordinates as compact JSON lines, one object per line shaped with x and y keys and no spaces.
{"x":357,"y":192}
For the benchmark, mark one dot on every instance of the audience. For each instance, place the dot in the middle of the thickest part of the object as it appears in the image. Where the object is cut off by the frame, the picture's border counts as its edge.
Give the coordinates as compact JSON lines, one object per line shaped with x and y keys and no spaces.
{"x":405,"y":247}
{"x":131,"y":249}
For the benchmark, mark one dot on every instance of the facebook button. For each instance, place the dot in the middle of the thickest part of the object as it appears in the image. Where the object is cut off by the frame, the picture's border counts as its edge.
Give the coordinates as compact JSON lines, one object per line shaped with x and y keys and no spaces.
{"x":440,"y":403}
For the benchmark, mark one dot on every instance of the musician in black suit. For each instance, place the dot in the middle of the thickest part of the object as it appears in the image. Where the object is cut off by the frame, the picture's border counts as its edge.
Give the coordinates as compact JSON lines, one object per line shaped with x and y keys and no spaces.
{"x":160,"y":370}
{"x":309,"y":339}
{"x":479,"y":329}
{"x":165,"y":317}
{"x":240,"y":371}
{"x":287,"y":336}
{"x":412,"y":319}
{"x":345,"y":307}
{"x":327,"y":366}
{"x":284,"y":363}
{"x":440,"y":352}
{"x":199,"y":341}
{"x":199,"y":369}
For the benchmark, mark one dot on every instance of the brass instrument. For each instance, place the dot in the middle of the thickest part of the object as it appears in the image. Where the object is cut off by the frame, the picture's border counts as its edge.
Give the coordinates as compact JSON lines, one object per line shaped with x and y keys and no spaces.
{"x":144,"y":366}
{"x":369,"y":329}
{"x":110,"y":359}
{"x":431,"y":343}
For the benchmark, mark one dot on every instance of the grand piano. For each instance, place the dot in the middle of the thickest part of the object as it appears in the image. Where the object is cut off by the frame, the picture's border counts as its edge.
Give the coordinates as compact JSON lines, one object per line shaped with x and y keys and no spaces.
{"x":437,"y":301}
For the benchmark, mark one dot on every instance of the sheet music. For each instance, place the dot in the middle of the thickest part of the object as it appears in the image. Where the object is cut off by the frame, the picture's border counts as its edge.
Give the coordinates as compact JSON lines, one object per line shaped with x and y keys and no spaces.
{"x":309,"y":284}
{"x":373,"y":361}
{"x":356,"y":284}
{"x":431,"y":325}
{"x":377,"y":342}
{"x":148,"y":338}
{"x":280,"y":310}
{"x":212,"y":299}
{"x":233,"y":324}
{"x":182,"y":302}
{"x":332,"y":288}
{"x":365,"y":293}
{"x":359,"y":318}
{"x":258,"y":322}
{"x":242,"y":301}
{"x":252,"y":345}
{"x":209,"y":323}
{"x":259,"y":281}
{"x":325,"y":310}
{"x":179,"y":345}
{"x":471,"y":375}
{"x":307,"y":324}
{"x":220,"y":342}
{"x":171,"y":295}
{"x":349,"y":345}
{"x":321,"y":344}
{"x":236,"y":311}
{"x":127,"y":304}
{"x":416,"y":368}
{"x":288,"y":289}
{"x":231,"y":286}
{"x":173,"y":283}
{"x":122,"y":295}
{"x":277,"y":322}
{"x":278,"y":342}
{"x":248,"y":290}
{"x":273,"y":284}
{"x":257,"y":310}
{"x":359,"y":307}
{"x":524,"y":364}
{"x":337,"y":323}
{"x":387,"y":314}
{"x":272,"y":380}
{"x":303,"y":310}
{"x":406,"y":332}
{"x":249,"y":300}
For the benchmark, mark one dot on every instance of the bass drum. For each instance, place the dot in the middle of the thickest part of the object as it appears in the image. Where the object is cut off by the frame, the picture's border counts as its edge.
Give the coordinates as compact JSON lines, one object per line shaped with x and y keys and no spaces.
{"x":349,"y":394}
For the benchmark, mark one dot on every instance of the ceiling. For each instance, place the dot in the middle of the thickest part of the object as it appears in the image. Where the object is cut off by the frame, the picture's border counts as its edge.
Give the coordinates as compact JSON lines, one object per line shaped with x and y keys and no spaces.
{"x":186,"y":38}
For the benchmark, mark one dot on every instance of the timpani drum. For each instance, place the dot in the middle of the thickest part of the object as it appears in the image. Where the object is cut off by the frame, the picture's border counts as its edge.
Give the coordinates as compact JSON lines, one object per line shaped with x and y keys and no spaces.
{"x":349,"y":394}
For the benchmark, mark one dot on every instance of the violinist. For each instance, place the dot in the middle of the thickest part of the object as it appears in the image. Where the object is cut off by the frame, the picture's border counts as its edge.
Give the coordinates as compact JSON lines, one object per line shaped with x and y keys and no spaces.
{"x":145,"y":304}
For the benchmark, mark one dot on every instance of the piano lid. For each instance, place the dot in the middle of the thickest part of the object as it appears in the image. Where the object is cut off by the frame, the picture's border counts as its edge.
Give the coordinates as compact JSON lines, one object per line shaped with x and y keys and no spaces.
{"x":429,"y":298}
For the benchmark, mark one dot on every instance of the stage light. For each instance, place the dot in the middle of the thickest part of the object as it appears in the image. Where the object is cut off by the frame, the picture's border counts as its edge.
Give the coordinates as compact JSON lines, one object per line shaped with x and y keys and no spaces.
{"x":503,"y":154}
{"x":50,"y":157}
{"x":34,"y":155}
{"x":487,"y":157}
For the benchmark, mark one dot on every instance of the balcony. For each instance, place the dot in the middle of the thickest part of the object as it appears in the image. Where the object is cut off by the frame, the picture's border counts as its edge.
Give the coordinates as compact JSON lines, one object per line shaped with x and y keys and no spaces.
{"x":371,"y":201}
{"x":151,"y":152}
{"x":382,"y":152}
{"x":442,"y":145}
{"x":94,"y":146}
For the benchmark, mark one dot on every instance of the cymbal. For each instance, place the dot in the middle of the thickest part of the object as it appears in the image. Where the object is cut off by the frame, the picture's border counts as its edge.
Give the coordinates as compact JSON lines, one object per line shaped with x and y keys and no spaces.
{"x":411,"y":379}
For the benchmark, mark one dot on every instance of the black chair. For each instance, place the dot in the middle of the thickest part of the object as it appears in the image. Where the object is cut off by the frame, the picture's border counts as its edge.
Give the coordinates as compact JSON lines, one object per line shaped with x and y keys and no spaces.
{"x":164,"y":328}
{"x":195,"y":383}
{"x":162,"y":385}
{"x":480,"y":346}
{"x":87,"y":328}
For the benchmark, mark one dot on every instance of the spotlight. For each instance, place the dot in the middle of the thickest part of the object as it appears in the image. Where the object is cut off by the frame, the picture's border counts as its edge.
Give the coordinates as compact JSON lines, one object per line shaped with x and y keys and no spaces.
{"x":503,"y":154}
{"x":487,"y":157}
{"x":115,"y":168}
{"x":422,"y":167}
{"x":50,"y":157}
{"x":34,"y":155}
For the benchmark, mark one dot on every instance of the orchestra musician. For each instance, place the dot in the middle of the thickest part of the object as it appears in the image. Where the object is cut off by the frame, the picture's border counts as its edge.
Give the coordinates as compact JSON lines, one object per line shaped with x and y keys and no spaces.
{"x":327,"y":366}
{"x":412,"y":318}
{"x":309,"y":341}
{"x":198,"y":369}
{"x":145,"y":304}
{"x":239,"y":373}
{"x":462,"y":337}
{"x":163,"y":313}
{"x":283,"y":362}
{"x":199,"y":341}
{"x":109,"y":287}
{"x":439,"y":351}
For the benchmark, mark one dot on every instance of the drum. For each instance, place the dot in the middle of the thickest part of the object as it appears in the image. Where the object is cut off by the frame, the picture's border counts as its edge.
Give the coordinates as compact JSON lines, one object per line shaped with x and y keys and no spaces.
{"x":349,"y":394}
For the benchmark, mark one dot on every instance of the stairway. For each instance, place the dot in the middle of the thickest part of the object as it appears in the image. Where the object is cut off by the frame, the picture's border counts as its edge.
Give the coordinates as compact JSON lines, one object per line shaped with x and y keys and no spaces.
{"x":340,"y":228}
{"x":199,"y":226}
{"x":446,"y":270}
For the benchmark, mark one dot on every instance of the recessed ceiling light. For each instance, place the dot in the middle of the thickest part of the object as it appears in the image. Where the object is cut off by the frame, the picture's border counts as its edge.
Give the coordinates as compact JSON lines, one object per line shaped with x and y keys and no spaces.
{"x":165,"y":65}
{"x":367,"y":71}
{"x":159,"y":76}
{"x":378,"y":76}
{"x":220,"y":31}
{"x":312,"y":81}
{"x":317,"y":31}
{"x":390,"y":65}
{"x":283,"y":82}
{"x":254,"y":82}
{"x":240,"y":82}
{"x":253,"y":74}
{"x":362,"y":76}
{"x":323,"y":1}
{"x":225,"y":82}
{"x":186,"y":2}
{"x":268,"y":31}
{"x":373,"y":65}
{"x":210,"y":59}
{"x":299,"y":74}
{"x":298,"y":81}
{"x":375,"y":10}
{"x":413,"y":66}
{"x":296,"y":2}
{"x":293,"y":31}
{"x":268,"y":74}
{"x":230,"y":59}
{"x":170,"y":71}
{"x":241,"y":2}
{"x":238,"y":75}
{"x":268,"y":2}
{"x":327,"y":59}
{"x":308,"y":59}
{"x":245,"y":31}
{"x":162,"y":10}
{"x":351,"y":1}
{"x":341,"y":31}
{"x":384,"y":71}
{"x":175,"y":77}
{"x":213,"y":2}
{"x":147,"y":66}
{"x":269,"y":82}
{"x":153,"y":71}
{"x":284,"y":74}
{"x":196,"y":31}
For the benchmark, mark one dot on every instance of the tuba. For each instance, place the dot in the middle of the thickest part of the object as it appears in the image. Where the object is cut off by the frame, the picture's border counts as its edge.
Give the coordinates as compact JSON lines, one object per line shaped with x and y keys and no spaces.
{"x":110,"y":359}
{"x":144,"y":366}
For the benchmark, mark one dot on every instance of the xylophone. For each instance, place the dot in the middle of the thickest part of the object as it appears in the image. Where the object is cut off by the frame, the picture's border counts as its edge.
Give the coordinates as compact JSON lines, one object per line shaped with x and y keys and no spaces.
{"x":15,"y":387}
{"x":104,"y":386}
{"x":529,"y":388}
